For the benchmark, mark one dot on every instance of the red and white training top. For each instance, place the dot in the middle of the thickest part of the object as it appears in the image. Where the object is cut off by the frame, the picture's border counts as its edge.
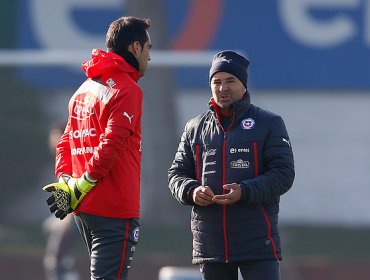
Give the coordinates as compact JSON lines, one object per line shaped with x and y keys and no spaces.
{"x":103,"y":136}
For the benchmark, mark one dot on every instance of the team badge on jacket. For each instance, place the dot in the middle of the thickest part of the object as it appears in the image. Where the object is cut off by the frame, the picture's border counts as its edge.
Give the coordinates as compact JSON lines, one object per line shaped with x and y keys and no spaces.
{"x":135,"y":234}
{"x":247,"y":123}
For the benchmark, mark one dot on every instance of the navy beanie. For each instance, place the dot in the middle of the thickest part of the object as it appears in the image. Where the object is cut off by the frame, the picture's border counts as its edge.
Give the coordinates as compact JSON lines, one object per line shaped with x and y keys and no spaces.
{"x":230,"y":62}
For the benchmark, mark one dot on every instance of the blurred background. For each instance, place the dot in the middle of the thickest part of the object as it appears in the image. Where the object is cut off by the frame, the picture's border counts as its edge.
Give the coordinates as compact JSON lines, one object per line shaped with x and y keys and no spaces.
{"x":310,"y":63}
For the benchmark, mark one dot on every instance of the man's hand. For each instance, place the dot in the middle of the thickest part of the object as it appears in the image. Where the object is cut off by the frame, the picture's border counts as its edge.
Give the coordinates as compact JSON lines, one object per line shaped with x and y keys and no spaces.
{"x":59,"y":201}
{"x":67,"y":194}
{"x":203,"y":195}
{"x":233,"y":194}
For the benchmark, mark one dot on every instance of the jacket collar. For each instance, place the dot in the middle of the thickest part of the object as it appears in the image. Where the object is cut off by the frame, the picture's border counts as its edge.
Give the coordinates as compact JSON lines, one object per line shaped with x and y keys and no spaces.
{"x":130,"y":58}
{"x":239,"y":109}
{"x":102,"y":62}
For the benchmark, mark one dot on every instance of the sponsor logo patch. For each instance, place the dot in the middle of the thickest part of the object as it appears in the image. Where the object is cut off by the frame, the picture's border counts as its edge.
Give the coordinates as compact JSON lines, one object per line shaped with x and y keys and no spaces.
{"x":286,"y":141}
{"x":110,"y":82}
{"x":239,"y":150}
{"x":83,"y":151}
{"x":82,"y":110}
{"x":125,"y":114}
{"x":81,"y":133}
{"x":239,"y":164}
{"x":225,"y":60}
{"x":211,"y":152}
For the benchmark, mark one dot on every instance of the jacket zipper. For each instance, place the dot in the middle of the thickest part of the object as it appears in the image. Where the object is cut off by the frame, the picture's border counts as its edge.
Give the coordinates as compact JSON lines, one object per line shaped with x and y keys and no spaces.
{"x":197,"y":158}
{"x":223,"y":191}
{"x":226,"y":243}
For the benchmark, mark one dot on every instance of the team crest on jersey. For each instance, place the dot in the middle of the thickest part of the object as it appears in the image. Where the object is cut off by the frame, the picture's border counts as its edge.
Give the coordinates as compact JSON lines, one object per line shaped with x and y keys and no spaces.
{"x":247,"y":123}
{"x":135,"y":234}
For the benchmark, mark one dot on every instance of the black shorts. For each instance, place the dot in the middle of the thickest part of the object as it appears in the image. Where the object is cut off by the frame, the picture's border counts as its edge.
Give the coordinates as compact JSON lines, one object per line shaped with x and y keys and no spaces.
{"x":111,"y":244}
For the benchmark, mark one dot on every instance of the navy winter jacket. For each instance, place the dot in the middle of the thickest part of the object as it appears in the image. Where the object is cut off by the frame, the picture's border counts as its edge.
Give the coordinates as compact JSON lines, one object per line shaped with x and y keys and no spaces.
{"x":253,"y":151}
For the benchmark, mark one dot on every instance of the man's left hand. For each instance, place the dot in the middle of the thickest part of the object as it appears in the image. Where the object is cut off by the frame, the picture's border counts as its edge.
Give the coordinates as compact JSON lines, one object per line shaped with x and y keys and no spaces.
{"x":232,"y":195}
{"x":67,"y":194}
{"x":60,"y":200}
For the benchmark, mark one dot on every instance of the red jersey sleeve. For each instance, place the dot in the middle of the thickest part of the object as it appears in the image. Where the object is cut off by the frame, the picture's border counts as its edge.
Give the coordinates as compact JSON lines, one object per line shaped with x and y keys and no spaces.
{"x":125,"y":109}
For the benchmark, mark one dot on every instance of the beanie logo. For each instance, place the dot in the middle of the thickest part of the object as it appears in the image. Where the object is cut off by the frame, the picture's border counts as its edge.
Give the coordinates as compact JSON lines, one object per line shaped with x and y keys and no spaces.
{"x":224,"y":59}
{"x":247,"y":123}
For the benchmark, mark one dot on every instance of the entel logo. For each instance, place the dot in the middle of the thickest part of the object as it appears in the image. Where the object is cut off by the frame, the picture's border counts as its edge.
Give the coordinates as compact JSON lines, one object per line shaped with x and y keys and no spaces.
{"x":82,"y":133}
{"x":240,"y":150}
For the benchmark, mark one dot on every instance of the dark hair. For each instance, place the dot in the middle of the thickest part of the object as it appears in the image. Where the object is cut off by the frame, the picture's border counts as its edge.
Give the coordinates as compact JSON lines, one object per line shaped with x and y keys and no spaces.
{"x":124,"y":31}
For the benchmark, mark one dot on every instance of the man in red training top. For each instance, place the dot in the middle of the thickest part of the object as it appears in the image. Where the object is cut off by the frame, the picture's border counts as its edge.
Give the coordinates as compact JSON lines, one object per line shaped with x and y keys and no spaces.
{"x":98,"y":158}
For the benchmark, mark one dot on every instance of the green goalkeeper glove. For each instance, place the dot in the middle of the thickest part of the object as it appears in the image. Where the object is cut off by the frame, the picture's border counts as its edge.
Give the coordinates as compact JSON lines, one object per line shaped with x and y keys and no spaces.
{"x":67,"y":194}
{"x":59,"y":201}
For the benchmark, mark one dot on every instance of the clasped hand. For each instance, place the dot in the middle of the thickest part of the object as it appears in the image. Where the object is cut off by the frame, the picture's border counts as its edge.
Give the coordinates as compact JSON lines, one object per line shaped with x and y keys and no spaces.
{"x":67,"y":194}
{"x":204,"y":196}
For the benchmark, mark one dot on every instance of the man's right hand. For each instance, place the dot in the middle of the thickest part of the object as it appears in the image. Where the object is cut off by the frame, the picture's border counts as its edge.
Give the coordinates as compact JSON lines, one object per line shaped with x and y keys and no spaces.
{"x":203,"y":195}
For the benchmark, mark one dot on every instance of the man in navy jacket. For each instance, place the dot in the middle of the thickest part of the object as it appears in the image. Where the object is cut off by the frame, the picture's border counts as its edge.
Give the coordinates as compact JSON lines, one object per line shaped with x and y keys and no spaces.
{"x":232,"y":165}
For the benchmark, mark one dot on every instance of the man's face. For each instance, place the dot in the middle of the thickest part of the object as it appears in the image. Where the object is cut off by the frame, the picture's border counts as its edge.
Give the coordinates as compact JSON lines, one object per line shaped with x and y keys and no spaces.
{"x":226,"y":89}
{"x":144,"y":56}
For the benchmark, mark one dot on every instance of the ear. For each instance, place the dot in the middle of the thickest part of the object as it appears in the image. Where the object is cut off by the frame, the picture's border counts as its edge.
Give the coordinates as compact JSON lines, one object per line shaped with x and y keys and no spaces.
{"x":135,"y":48}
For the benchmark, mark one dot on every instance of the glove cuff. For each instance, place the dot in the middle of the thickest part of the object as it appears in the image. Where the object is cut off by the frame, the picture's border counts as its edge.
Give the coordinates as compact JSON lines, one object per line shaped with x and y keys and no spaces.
{"x":88,"y":178}
{"x":84,"y":185}
{"x":64,"y":178}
